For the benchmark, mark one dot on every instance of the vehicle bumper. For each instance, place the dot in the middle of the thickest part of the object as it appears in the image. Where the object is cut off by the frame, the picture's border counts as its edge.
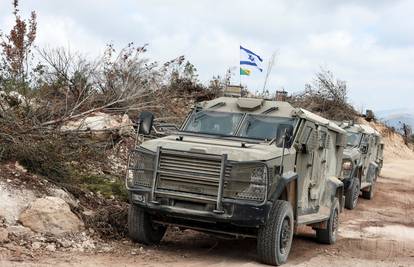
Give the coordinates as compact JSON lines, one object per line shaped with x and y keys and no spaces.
{"x":235,"y":212}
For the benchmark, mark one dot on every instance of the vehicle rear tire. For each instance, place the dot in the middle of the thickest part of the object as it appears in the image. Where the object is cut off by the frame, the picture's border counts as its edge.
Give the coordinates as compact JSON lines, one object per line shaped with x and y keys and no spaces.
{"x":352,"y":195}
{"x":274,"y":239}
{"x":369,"y":193}
{"x":141,"y":228}
{"x":329,"y":235}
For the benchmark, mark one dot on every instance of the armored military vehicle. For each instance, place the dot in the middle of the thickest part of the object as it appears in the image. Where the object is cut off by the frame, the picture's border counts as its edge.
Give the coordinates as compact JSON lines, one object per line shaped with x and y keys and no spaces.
{"x":242,"y":167}
{"x":362,"y":162}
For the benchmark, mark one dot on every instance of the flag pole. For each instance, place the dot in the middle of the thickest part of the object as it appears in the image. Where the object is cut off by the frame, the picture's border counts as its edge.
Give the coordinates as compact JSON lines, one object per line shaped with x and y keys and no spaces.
{"x":240,"y":66}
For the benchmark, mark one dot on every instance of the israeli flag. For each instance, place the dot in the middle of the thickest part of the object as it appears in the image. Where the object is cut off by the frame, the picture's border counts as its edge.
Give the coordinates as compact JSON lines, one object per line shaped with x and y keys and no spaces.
{"x":247,"y":57}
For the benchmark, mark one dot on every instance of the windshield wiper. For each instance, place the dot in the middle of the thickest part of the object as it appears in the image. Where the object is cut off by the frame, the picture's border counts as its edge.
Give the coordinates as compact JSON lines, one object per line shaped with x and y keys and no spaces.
{"x":248,"y":126}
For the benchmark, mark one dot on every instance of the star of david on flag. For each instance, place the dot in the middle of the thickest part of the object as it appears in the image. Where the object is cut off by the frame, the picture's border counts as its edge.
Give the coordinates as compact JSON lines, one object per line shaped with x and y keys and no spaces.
{"x":249,"y":58}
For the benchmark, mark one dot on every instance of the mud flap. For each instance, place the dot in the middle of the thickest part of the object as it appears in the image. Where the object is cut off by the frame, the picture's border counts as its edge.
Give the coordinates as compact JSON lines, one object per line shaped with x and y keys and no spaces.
{"x":372,"y":172}
{"x":336,"y":188}
{"x":286,"y":178}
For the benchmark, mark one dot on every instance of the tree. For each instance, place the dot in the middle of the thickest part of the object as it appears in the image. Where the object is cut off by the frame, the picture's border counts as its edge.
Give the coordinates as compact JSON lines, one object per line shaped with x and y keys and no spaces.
{"x":327,"y":96}
{"x":326,"y":86}
{"x":16,"y":47}
{"x":407,"y":133}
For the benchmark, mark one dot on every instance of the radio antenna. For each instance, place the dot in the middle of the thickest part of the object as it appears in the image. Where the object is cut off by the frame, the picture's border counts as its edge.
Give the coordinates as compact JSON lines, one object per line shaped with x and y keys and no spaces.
{"x":269,"y":70}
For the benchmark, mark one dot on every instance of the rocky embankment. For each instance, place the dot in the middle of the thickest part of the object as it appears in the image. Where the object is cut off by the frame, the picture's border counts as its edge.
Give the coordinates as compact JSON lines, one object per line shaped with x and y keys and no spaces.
{"x":36,"y":215}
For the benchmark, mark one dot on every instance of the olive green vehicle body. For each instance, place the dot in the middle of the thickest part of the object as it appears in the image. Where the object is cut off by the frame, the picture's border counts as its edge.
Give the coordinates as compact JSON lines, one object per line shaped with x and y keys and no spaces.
{"x":204,"y":181}
{"x":364,"y":155}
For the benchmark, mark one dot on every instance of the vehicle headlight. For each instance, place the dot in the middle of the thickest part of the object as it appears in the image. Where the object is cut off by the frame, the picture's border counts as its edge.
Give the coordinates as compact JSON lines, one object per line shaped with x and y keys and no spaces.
{"x":258,"y":175}
{"x":347,"y":167}
{"x":247,"y":182}
{"x":140,"y":169}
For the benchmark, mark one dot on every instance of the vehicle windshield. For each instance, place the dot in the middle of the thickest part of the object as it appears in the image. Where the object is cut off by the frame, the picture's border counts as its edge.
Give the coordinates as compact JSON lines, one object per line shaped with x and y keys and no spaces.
{"x":267,"y":128}
{"x":213,"y":122}
{"x":258,"y":127}
{"x":354,"y":139}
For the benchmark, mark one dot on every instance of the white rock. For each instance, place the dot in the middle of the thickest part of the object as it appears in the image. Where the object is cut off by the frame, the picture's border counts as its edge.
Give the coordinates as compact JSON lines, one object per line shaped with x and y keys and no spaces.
{"x":13,"y":201}
{"x":101,"y":125}
{"x":51,"y":247}
{"x":67,"y":197}
{"x":88,"y":244}
{"x":65,"y":243}
{"x":126,"y":127}
{"x":50,"y":215}
{"x":19,"y":167}
{"x":36,"y":245}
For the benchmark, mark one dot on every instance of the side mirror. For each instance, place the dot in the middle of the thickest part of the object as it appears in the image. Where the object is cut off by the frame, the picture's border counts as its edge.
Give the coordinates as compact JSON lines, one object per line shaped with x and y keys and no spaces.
{"x":288,"y":138}
{"x":145,"y":121}
{"x":284,"y":137}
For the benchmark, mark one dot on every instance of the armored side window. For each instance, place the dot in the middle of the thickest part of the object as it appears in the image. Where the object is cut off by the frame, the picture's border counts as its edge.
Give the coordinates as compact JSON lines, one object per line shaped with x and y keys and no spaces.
{"x":365,"y":139}
{"x":306,"y":134}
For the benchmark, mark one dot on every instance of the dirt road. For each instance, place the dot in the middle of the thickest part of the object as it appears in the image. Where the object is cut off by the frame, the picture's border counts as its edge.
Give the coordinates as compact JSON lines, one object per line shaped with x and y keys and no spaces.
{"x":379,"y":232}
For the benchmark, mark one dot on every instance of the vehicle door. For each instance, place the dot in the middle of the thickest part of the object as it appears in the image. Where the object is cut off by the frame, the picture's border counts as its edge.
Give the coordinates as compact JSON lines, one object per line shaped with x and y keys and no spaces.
{"x":364,"y":148}
{"x":320,"y":167}
{"x":311,"y":166}
{"x":380,"y":153}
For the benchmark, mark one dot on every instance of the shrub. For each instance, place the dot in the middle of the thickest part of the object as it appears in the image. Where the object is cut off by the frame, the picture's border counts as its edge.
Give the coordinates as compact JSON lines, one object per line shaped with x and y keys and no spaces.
{"x":326,"y":96}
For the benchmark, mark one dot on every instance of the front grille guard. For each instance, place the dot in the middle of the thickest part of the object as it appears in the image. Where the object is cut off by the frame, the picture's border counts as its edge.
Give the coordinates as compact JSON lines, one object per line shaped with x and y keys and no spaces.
{"x":219,"y":199}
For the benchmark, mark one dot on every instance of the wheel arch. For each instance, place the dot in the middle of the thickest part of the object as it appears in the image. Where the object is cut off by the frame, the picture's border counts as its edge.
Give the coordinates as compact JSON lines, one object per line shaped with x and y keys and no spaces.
{"x":336,"y":191}
{"x":287,"y":189}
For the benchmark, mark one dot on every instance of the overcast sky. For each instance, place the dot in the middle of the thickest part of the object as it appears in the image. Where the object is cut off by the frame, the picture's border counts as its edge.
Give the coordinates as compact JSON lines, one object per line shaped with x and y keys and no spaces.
{"x":370,"y":44}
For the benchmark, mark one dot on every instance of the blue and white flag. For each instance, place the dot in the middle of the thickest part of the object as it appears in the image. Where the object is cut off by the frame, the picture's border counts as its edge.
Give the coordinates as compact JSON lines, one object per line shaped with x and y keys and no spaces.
{"x":249,"y":58}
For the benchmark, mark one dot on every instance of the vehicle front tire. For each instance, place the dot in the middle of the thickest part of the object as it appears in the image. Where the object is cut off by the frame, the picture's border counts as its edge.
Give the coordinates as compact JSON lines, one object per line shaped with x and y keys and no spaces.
{"x":329,"y":235}
{"x":352,"y":195}
{"x":141,"y":228}
{"x":274,"y":239}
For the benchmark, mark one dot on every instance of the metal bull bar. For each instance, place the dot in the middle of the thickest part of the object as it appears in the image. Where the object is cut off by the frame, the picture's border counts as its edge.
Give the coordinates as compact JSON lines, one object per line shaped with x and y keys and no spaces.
{"x":219,"y":201}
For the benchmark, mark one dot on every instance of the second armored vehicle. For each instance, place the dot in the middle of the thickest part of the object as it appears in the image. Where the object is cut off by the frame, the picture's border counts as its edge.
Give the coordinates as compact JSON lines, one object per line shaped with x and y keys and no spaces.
{"x":362,"y":162}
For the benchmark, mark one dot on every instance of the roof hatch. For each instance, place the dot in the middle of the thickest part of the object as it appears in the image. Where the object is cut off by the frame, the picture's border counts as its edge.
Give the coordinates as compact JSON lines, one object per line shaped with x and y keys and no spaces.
{"x":249,"y":103}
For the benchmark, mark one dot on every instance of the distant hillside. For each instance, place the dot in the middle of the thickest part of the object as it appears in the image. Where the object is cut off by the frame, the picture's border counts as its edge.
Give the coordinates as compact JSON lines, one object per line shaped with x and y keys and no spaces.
{"x":395,"y":148}
{"x":395,"y":118}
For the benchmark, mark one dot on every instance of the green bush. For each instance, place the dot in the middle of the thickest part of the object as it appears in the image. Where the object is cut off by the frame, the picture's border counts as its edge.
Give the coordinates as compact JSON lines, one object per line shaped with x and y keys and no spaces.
{"x":106,"y":185}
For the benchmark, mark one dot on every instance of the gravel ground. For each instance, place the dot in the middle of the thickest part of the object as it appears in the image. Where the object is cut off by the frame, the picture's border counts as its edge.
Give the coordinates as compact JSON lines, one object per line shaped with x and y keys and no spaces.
{"x":379,"y":232}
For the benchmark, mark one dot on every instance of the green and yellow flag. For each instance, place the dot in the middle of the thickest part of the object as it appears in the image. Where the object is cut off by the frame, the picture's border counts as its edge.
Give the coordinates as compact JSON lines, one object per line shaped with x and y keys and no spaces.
{"x":244,"y":71}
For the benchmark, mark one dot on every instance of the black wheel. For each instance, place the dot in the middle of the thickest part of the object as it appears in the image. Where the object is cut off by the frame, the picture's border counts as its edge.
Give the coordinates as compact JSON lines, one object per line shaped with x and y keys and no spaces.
{"x":328,"y":235}
{"x":369,"y":193}
{"x":352,"y":194}
{"x":141,"y":228}
{"x":274,"y":239}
